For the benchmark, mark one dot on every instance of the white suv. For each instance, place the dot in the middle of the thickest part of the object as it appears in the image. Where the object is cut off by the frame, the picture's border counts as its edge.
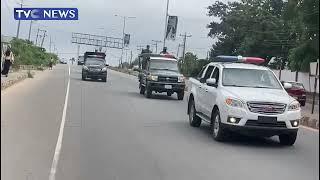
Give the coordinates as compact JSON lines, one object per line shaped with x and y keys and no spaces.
{"x":245,"y":98}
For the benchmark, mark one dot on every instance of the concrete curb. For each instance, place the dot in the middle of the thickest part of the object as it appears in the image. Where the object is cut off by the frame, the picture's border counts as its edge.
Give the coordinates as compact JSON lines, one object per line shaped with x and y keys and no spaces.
{"x":305,"y":121}
{"x":6,"y":84}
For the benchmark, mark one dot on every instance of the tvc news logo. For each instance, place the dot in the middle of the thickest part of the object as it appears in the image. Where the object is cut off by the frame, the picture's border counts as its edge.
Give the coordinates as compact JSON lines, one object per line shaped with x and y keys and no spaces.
{"x":46,"y":14}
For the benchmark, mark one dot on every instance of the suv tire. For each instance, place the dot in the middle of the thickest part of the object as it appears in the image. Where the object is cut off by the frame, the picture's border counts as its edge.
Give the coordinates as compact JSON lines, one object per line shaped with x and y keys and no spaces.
{"x":288,"y":139}
{"x":194,"y":120}
{"x":180,"y":95}
{"x":104,"y":79}
{"x":216,"y":129}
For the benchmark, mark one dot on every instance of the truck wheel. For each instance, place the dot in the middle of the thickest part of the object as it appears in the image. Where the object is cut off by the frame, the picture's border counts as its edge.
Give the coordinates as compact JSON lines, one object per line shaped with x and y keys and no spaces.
{"x":217,"y":131}
{"x":142,"y":89}
{"x":180,"y":95}
{"x":194,"y":120}
{"x":148,"y":92}
{"x":288,"y":139}
{"x":169,"y":93}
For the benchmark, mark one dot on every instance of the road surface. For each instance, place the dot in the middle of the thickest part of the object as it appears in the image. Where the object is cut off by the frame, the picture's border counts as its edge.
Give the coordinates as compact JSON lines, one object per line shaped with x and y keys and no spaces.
{"x":112,"y":132}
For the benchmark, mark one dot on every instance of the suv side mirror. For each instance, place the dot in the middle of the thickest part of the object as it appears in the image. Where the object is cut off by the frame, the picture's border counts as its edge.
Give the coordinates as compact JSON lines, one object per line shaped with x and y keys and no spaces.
{"x":211,"y":82}
{"x":287,"y":85}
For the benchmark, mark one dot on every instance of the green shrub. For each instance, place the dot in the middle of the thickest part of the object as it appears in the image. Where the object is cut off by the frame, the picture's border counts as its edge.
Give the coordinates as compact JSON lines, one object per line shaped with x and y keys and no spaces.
{"x":27,"y":53}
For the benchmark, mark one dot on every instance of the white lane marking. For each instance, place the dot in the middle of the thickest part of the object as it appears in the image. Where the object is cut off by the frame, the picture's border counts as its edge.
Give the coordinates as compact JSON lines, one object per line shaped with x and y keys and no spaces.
{"x":55,"y":160}
{"x":308,"y":128}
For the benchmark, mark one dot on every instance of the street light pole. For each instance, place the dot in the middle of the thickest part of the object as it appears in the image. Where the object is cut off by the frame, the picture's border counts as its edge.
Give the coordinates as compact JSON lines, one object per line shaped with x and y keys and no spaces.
{"x":165,"y":25}
{"x":123,"y":34}
{"x":18,"y":30}
{"x":124,"y":26}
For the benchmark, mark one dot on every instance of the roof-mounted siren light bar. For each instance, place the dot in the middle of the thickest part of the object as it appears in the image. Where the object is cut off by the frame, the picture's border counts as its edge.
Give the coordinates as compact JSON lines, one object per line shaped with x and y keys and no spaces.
{"x":249,"y":60}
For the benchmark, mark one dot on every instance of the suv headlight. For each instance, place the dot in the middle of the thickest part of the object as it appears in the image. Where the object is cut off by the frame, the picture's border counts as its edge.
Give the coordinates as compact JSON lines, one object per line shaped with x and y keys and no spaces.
{"x":180,"y":79}
{"x":294,"y":106}
{"x":234,"y":103}
{"x":104,"y":69}
{"x":152,"y":78}
{"x":85,"y":68}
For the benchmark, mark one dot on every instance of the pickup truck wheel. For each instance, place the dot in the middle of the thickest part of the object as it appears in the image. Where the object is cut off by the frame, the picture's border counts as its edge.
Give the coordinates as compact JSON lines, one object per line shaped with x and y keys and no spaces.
{"x":142,"y":89}
{"x":180,"y":95}
{"x":194,"y":120}
{"x":148,"y":92}
{"x":288,"y":139}
{"x":217,"y":131}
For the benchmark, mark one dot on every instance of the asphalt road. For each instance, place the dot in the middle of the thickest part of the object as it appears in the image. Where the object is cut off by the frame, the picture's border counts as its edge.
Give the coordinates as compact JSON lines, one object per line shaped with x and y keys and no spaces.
{"x":114,"y":133}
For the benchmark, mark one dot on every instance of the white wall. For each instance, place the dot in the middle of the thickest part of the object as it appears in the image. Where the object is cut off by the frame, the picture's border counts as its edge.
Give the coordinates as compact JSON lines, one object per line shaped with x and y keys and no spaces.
{"x":287,"y":75}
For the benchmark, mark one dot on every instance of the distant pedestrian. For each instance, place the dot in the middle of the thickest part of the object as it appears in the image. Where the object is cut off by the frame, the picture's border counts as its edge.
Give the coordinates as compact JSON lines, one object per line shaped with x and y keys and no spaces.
{"x":164,"y":51}
{"x":51,"y":63}
{"x":8,"y":61}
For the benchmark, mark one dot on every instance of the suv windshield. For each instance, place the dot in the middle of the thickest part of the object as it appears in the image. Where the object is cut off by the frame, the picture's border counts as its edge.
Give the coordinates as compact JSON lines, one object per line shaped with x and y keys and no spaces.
{"x":249,"y":78}
{"x":94,"y":61}
{"x":163,"y":65}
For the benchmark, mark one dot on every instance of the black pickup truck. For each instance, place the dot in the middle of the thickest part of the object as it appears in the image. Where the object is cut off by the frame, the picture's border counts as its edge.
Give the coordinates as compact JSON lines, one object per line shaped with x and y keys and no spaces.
{"x":160,"y":73}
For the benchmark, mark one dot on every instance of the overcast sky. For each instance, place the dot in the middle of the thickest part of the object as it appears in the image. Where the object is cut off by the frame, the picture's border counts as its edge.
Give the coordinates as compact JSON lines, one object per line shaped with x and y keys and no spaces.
{"x":97,"y":17}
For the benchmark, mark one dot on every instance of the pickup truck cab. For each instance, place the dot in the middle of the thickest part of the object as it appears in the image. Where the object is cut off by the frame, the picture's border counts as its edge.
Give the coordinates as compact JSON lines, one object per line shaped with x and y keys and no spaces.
{"x":160,"y":73}
{"x":243,"y":98}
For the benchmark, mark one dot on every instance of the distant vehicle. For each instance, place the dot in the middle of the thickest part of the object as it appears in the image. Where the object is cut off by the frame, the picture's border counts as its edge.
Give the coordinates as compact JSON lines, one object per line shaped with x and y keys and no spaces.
{"x":160,"y":73}
{"x":81,"y":60}
{"x":95,"y":66}
{"x":243,"y":98}
{"x":135,"y":68}
{"x":63,"y":61}
{"x":297,"y":91}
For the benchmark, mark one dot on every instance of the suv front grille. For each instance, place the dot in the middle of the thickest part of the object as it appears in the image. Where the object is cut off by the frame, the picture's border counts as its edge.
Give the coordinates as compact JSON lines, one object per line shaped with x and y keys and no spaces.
{"x":167,"y":79}
{"x":256,"y":123}
{"x":266,"y":108}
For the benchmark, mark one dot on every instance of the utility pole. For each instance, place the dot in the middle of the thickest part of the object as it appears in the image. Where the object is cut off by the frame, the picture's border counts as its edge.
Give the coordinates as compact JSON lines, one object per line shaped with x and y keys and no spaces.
{"x":179,"y":45}
{"x":37,"y":36}
{"x":165,"y":25}
{"x":18,"y":29}
{"x":30,"y":30}
{"x":44,"y":35}
{"x":156,"y":44}
{"x":130,"y":57}
{"x":185,"y":36}
{"x":50,"y":45}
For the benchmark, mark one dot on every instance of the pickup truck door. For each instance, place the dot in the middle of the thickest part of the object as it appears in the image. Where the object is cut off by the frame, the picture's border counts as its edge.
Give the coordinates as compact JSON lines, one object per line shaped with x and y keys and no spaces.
{"x":201,"y":89}
{"x":210,"y":95}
